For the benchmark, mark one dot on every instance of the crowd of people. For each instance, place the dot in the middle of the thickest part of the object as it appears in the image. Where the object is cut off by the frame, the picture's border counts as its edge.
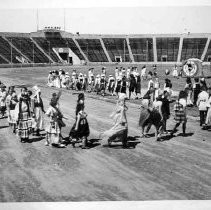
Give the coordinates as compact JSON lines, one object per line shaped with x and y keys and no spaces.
{"x":25,"y":111}
{"x":127,"y":81}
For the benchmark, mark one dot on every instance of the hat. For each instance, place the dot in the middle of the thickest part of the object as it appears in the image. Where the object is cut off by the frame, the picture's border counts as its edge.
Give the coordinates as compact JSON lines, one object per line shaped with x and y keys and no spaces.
{"x":66,"y":73}
{"x":110,"y":75}
{"x":35,"y":88}
{"x":122,"y":96}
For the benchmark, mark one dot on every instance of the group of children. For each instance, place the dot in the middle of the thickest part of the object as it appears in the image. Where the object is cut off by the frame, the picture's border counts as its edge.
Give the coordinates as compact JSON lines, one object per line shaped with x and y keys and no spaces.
{"x":122,"y":82}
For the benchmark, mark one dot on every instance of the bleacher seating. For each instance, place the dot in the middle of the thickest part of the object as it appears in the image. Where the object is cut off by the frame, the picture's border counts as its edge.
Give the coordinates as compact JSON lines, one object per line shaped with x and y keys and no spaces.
{"x":47,"y":46}
{"x":74,"y":48}
{"x":93,"y":49}
{"x":207,"y":57}
{"x":7,"y":51}
{"x":167,"y":49}
{"x":193,"y":48}
{"x":117,"y":47}
{"x":29,"y":49}
{"x":142,"y":49}
{"x":2,"y":61}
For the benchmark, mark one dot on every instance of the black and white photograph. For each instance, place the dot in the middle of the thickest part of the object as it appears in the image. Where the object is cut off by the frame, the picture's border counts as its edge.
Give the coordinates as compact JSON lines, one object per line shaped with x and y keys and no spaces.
{"x":105,"y":104}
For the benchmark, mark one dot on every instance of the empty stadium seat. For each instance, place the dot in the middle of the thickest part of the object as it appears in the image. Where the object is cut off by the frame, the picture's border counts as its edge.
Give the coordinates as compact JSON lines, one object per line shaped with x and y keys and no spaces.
{"x":193,"y":48}
{"x":117,"y":47}
{"x":142,"y":49}
{"x":167,"y":48}
{"x":93,"y":49}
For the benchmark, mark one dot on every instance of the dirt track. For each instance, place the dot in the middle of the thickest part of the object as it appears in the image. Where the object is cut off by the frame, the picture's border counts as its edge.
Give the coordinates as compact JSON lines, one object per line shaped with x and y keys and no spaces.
{"x":178,"y":168}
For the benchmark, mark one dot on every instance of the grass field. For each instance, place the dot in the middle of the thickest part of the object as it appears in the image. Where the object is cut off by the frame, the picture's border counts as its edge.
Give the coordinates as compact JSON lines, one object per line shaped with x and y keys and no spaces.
{"x":177,"y":168}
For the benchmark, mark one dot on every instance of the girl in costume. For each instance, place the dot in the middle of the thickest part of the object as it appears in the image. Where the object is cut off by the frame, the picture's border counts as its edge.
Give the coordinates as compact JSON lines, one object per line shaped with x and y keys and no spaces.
{"x":80,"y":130}
{"x":119,"y":131}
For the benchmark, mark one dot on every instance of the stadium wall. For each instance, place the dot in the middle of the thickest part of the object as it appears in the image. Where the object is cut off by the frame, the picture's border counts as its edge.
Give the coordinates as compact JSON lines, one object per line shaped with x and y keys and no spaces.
{"x":107,"y":48}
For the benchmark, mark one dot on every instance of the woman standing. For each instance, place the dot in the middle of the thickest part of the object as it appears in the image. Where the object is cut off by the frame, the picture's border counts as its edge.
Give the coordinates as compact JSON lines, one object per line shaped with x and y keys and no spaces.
{"x":23,"y":116}
{"x":11,"y":102}
{"x":208,"y":118}
{"x":3,"y":95}
{"x":53,"y":128}
{"x":37,"y":109}
{"x":119,"y":131}
{"x":80,"y":130}
{"x":180,"y":112}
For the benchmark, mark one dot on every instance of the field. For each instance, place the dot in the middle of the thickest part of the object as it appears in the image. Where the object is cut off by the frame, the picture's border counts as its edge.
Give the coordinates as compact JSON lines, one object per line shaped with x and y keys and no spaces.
{"x":177,"y":168}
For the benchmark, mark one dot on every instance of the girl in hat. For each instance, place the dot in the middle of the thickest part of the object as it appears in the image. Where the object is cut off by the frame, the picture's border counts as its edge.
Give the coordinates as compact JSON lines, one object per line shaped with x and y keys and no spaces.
{"x":37,"y":109}
{"x":23,"y":116}
{"x":53,"y":128}
{"x":119,"y":131}
{"x":80,"y":130}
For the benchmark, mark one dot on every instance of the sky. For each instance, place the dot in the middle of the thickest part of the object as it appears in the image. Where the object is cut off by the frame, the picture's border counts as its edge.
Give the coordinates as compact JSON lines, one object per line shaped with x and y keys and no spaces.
{"x":107,"y":17}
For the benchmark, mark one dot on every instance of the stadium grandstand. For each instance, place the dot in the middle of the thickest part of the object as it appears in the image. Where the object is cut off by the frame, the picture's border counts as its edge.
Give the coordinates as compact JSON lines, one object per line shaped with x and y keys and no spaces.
{"x":54,"y":46}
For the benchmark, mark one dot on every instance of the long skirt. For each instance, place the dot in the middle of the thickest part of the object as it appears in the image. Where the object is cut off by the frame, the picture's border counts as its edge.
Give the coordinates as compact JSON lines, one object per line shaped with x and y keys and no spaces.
{"x":144,"y":115}
{"x":208,"y":118}
{"x":117,"y":133}
{"x":38,"y":124}
{"x":83,"y":130}
{"x":53,"y":132}
{"x":24,"y":127}
{"x":11,"y":117}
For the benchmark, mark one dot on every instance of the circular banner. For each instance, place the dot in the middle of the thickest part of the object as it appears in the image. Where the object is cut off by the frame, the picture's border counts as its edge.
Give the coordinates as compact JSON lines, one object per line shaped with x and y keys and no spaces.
{"x":191,"y":67}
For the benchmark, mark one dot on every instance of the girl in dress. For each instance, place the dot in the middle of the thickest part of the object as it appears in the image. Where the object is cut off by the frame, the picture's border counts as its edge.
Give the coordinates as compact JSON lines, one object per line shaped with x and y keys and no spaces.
{"x":23,"y":116}
{"x":208,"y":118}
{"x":80,"y":130}
{"x":53,"y":128}
{"x":11,"y":102}
{"x":180,"y":112}
{"x":175,"y":72}
{"x":37,"y":109}
{"x":120,"y":129}
{"x":3,"y":95}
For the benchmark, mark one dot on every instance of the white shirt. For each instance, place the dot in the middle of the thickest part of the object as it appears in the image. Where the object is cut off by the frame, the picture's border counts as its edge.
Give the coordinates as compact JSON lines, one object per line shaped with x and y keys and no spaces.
{"x":203,"y":98}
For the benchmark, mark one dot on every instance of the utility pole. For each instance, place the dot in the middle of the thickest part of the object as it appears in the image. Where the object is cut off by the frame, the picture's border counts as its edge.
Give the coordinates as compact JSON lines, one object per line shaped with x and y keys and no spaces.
{"x":37,"y":20}
{"x":64,"y":19}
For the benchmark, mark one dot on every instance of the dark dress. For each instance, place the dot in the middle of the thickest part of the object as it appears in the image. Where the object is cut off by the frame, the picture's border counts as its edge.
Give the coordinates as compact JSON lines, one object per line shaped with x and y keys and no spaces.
{"x":132,"y":83}
{"x":83,"y":127}
{"x":118,"y":87}
{"x":123,"y":86}
{"x":138,"y":85}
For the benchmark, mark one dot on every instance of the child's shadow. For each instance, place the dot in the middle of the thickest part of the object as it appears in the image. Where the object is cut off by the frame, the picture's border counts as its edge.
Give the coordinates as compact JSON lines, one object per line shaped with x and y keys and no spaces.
{"x":132,"y":142}
{"x":36,"y":139}
{"x":169,"y":137}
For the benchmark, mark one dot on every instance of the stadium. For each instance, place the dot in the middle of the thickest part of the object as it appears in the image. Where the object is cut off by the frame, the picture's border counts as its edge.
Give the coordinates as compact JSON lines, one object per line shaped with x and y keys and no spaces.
{"x":54,"y":46}
{"x":176,"y":168}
